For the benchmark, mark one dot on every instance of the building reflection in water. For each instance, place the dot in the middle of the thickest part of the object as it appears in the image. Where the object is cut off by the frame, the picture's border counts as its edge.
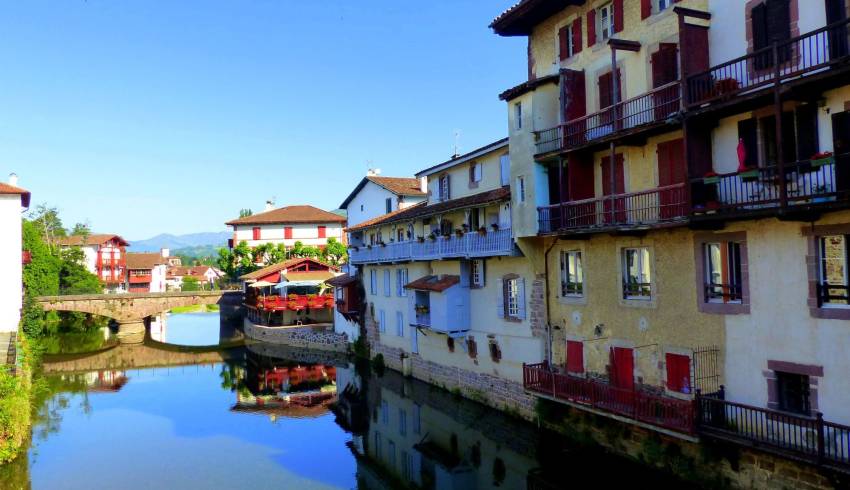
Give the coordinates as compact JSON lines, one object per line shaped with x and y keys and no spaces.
{"x":159,"y":327}
{"x":98,"y":381}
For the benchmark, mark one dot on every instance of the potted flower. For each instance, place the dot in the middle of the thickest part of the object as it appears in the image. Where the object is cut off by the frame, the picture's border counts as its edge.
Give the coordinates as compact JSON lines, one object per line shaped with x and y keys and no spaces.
{"x":495,"y":226}
{"x":432,"y":236}
{"x":420,"y":239}
{"x":822,"y":158}
{"x":710,"y":177}
{"x":369,"y":246}
{"x":725,"y":86}
{"x":459,"y":233}
{"x":421,"y":309}
{"x":382,"y":243}
{"x":482,"y":231}
{"x":355,"y":248}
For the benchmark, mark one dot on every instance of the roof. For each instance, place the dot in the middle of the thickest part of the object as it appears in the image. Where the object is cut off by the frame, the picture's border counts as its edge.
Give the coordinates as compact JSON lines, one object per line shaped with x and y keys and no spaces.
{"x":520,"y":19}
{"x":341,"y":280}
{"x":525,"y":87}
{"x":433,"y":283}
{"x":144,"y":260}
{"x":290,"y":214}
{"x":308,"y":276}
{"x":8,"y":189}
{"x":190,"y":270}
{"x":91,"y":239}
{"x":422,"y":211}
{"x":465,"y":157}
{"x":400,"y":186}
{"x":281,"y":266}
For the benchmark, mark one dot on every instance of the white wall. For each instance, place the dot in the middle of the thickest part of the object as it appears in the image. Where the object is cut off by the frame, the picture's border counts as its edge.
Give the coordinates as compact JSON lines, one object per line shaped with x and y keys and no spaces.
{"x":10,"y":263}
{"x":372,"y":199}
{"x":158,"y":279}
{"x":307,"y":234}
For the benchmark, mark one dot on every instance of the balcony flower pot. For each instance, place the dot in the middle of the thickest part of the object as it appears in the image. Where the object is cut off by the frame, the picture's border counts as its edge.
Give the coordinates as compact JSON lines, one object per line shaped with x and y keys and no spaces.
{"x":725,"y":86}
{"x":710,"y":178}
{"x":495,"y":226}
{"x":749,"y":175}
{"x":482,"y":231}
{"x":369,"y":247}
{"x":432,"y":236}
{"x":821,"y":159}
{"x":382,"y":244}
{"x":459,"y":233}
{"x":420,"y":239}
{"x":447,"y":235}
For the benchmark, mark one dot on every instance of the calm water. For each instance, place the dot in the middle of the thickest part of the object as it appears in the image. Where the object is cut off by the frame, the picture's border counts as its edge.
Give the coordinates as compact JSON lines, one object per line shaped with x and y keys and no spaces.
{"x":272,"y":417}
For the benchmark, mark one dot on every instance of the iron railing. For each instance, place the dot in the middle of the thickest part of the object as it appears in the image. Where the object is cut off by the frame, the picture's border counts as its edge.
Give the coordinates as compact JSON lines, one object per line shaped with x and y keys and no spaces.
{"x":655,"y":106}
{"x":470,"y":244}
{"x":810,"y":438}
{"x":651,"y":408}
{"x":805,"y":182}
{"x":658,"y":205}
{"x":798,"y":56}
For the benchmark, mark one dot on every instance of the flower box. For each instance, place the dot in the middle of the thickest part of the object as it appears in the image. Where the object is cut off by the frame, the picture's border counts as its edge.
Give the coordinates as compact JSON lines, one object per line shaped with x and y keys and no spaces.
{"x":819,"y":162}
{"x":748,"y":175}
{"x":711,"y":179}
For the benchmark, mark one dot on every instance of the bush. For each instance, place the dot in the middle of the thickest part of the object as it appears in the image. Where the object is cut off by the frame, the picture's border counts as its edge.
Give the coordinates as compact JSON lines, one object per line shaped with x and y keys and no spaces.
{"x":15,"y":407}
{"x":361,"y":348}
{"x":190,"y":284}
{"x":378,"y":364}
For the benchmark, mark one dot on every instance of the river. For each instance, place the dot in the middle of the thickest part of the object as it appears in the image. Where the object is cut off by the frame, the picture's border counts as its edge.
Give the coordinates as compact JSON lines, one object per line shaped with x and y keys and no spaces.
{"x":263,"y":416}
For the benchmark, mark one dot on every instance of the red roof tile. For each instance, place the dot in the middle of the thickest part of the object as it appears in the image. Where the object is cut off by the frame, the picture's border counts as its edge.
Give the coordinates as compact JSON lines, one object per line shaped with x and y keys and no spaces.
{"x":91,"y":239}
{"x":144,"y":260}
{"x":265,"y":271}
{"x":290,"y":214}
{"x":12,"y":190}
{"x":433,"y":283}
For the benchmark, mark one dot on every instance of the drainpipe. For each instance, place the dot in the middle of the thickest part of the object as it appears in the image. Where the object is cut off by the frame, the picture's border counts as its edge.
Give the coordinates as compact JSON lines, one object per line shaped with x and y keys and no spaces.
{"x":546,"y":301}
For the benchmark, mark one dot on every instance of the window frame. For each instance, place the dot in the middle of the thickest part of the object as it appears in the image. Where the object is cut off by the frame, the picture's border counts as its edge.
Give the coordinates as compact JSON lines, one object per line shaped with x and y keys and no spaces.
{"x":601,"y":26}
{"x":520,"y":183}
{"x":443,"y":187}
{"x":476,"y":174}
{"x":822,"y":272}
{"x":402,"y":276}
{"x":477,"y":268}
{"x":565,"y":274}
{"x":720,"y":292}
{"x":783,"y":381}
{"x":388,"y":204}
{"x":640,"y":295}
{"x":700,"y":260}
{"x":512,"y":297}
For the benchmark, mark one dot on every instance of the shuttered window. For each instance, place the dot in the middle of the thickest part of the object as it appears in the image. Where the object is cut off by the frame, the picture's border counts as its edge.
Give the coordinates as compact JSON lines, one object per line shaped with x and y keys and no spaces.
{"x":748,"y":134}
{"x":575,"y":356}
{"x":287,"y":232}
{"x":771,"y":23}
{"x":256,"y":232}
{"x":678,"y":373}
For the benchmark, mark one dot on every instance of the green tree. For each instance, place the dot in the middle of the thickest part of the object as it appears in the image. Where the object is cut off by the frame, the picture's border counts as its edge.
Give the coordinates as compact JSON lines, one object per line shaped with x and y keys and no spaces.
{"x":237,"y":261}
{"x":47,"y":221}
{"x":245,"y":212}
{"x":335,"y":252}
{"x":190,"y":284}
{"x":81,"y":229}
{"x":41,"y":275}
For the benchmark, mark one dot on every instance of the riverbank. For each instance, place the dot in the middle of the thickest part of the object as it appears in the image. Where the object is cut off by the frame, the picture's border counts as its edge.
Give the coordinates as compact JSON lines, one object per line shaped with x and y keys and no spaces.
{"x":16,"y":396}
{"x":320,"y":337}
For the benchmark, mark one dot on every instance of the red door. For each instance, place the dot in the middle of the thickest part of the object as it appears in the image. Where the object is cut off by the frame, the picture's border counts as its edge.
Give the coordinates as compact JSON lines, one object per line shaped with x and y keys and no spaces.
{"x":622,"y":368}
{"x":665,"y":69}
{"x":615,"y":210}
{"x":671,"y":171}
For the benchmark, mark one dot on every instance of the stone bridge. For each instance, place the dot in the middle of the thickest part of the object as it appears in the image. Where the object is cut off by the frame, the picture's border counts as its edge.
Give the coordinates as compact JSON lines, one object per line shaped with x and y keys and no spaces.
{"x":130,"y":310}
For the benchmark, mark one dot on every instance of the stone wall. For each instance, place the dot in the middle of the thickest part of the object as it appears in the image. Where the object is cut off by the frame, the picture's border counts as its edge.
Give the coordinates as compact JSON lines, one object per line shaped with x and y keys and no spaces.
{"x":305,"y":337}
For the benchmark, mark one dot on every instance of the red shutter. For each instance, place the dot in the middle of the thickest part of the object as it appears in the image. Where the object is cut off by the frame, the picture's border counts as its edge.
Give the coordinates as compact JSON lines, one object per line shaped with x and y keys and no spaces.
{"x":256,"y":233}
{"x":605,"y":82}
{"x":671,"y":162}
{"x":575,"y":356}
{"x":591,"y":27}
{"x":577,"y":36}
{"x":573,"y":98}
{"x":645,"y":8}
{"x":622,"y":368}
{"x":678,"y":373}
{"x":563,"y":46}
{"x":618,"y":15}
{"x":620,"y":182}
{"x":322,"y":232}
{"x":581,"y":176}
{"x":287,"y":232}
{"x":665,"y":64}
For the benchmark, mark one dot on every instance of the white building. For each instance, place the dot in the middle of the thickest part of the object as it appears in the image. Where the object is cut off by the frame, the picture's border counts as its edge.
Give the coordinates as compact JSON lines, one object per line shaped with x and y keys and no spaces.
{"x":13,"y":200}
{"x":375,"y":196}
{"x":146,"y":272}
{"x":206,"y":276}
{"x":105,"y":257}
{"x":306,"y":224}
{"x":348,"y":312}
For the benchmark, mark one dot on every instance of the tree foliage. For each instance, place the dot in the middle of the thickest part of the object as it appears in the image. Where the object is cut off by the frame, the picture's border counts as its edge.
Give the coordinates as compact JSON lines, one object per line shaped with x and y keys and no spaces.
{"x":245,"y":212}
{"x":335,"y":252}
{"x":190,"y":284}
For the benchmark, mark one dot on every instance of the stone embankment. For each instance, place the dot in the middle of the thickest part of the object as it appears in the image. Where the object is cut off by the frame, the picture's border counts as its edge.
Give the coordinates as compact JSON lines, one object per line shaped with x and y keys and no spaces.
{"x":308,"y":337}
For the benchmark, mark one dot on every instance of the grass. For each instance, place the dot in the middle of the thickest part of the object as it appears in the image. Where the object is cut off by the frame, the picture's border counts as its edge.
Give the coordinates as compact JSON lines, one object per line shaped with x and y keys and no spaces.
{"x":195,"y":309}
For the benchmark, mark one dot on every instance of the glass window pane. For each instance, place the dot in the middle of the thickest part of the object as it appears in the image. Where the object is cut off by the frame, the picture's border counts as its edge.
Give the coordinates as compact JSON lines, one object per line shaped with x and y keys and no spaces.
{"x":834,"y":269}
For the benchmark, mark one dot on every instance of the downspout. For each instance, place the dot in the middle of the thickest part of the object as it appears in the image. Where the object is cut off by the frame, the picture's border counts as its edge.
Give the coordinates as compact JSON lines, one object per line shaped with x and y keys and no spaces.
{"x":546,"y":301}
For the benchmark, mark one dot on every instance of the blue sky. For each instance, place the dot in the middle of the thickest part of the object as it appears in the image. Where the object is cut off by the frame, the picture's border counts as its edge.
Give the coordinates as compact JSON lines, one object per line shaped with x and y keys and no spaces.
{"x":159,"y":116}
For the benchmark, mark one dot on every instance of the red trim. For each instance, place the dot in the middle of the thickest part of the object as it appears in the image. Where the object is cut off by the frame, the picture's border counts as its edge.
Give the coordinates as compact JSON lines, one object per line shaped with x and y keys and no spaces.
{"x":591,"y":27}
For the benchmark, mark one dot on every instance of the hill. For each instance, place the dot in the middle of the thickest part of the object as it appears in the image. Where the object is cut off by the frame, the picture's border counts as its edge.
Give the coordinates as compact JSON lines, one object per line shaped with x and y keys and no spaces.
{"x":178,"y":242}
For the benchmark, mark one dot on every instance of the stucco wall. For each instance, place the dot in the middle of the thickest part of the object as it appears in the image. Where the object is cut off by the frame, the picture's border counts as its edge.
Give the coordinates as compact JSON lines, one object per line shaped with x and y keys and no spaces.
{"x":372,"y":199}
{"x":459,"y":177}
{"x":10,"y":262}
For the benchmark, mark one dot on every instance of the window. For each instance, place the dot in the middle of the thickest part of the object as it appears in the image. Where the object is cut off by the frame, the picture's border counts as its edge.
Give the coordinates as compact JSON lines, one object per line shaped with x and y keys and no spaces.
{"x":399,"y":234}
{"x":771,"y":23}
{"x":477,"y":273}
{"x":505,"y":169}
{"x":385,"y":412}
{"x":474,"y":174}
{"x":663,"y":4}
{"x":373,"y":282}
{"x":256,"y":232}
{"x":518,"y":115}
{"x":637,"y":279}
{"x":382,"y":321}
{"x":566,"y":42}
{"x":445,"y":227}
{"x":389,"y":204}
{"x":793,"y":391}
{"x":723,"y":278}
{"x":323,"y":231}
{"x":417,"y":418}
{"x":378,"y":445}
{"x":405,"y":464}
{"x":387,"y":286}
{"x":513,"y":297}
{"x":605,"y":14}
{"x":572,"y":276}
{"x":512,"y":300}
{"x":391,"y":451}
{"x":399,"y":324}
{"x":575,"y":356}
{"x":444,"y":187}
{"x":520,"y":188}
{"x":402,"y":421}
{"x":474,"y":220}
{"x":287,"y":232}
{"x":401,"y":280}
{"x":678,"y":373}
{"x":833,"y":278}
{"x":361,"y":208}
{"x":495,"y":351}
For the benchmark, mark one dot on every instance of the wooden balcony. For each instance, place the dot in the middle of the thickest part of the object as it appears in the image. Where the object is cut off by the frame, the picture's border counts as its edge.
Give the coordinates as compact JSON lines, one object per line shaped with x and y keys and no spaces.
{"x":813,"y":53}
{"x":651,"y":109}
{"x":801,"y":185}
{"x":650,"y":408}
{"x":294,"y":302}
{"x":468,"y":245}
{"x":139,"y":279}
{"x":654,"y":207}
{"x":810,"y":438}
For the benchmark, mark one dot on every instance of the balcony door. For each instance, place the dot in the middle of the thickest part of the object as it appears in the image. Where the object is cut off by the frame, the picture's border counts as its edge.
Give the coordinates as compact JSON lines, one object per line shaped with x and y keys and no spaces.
{"x":836,"y":12}
{"x":671,"y":171}
{"x":622,"y":368}
{"x":665,"y":70}
{"x":606,"y":99}
{"x":614,"y":209}
{"x":841,"y":146}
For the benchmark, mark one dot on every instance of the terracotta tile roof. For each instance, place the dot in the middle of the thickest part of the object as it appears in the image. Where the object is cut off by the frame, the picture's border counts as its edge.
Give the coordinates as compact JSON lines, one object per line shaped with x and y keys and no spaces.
{"x":290,"y":214}
{"x":92,"y":239}
{"x":466,"y":157}
{"x":144,"y":260}
{"x":433,"y":283}
{"x":520,"y":18}
{"x":12,"y":190}
{"x":422,"y":211}
{"x":309,"y":276}
{"x":528,"y":86}
{"x":400,"y":186}
{"x":265,"y":271}
{"x":341,"y":280}
{"x":190,"y":271}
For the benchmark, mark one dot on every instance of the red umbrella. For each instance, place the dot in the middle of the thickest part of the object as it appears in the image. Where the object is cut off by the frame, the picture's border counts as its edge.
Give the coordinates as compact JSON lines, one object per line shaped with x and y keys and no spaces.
{"x":742,"y":155}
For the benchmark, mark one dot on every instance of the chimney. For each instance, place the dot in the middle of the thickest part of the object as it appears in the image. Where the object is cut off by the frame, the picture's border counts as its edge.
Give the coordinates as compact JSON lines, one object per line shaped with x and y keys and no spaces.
{"x":165,"y":253}
{"x":13,"y":179}
{"x":372,"y":172}
{"x":423,"y":184}
{"x":269,"y":205}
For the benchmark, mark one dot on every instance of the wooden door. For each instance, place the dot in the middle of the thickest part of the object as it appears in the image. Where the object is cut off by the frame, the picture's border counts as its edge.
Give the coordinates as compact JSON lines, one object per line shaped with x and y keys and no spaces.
{"x":841,"y":146}
{"x":622,"y":368}
{"x":614,"y":209}
{"x":671,"y":171}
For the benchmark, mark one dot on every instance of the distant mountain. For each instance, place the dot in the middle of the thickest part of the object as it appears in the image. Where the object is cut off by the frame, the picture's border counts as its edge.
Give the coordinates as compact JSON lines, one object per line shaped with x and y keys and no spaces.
{"x":175,"y":242}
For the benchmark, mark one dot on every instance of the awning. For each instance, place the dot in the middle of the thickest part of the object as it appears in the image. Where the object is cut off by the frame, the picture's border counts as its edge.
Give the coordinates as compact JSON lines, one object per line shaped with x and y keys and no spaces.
{"x":290,"y":284}
{"x":261,"y":284}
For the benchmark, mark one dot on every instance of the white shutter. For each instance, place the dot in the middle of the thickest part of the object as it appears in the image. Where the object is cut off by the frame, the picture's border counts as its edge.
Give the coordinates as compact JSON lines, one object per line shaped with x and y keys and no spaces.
{"x":500,"y":304}
{"x":521,"y":298}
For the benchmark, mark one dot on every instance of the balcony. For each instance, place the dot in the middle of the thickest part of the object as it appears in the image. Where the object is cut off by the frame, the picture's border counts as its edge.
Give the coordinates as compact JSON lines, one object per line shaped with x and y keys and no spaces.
{"x":645,"y":111}
{"x":659,"y":206}
{"x":294,"y":302}
{"x":468,"y":245}
{"x":813,"y":53}
{"x":440,"y":304}
{"x":650,"y":408}
{"x":140,"y":279}
{"x":804,"y":184}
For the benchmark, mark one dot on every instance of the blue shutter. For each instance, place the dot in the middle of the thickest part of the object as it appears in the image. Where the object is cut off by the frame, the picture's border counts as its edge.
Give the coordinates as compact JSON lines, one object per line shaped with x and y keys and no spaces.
{"x":500,"y":304}
{"x":387,"y":285}
{"x":521,"y":298}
